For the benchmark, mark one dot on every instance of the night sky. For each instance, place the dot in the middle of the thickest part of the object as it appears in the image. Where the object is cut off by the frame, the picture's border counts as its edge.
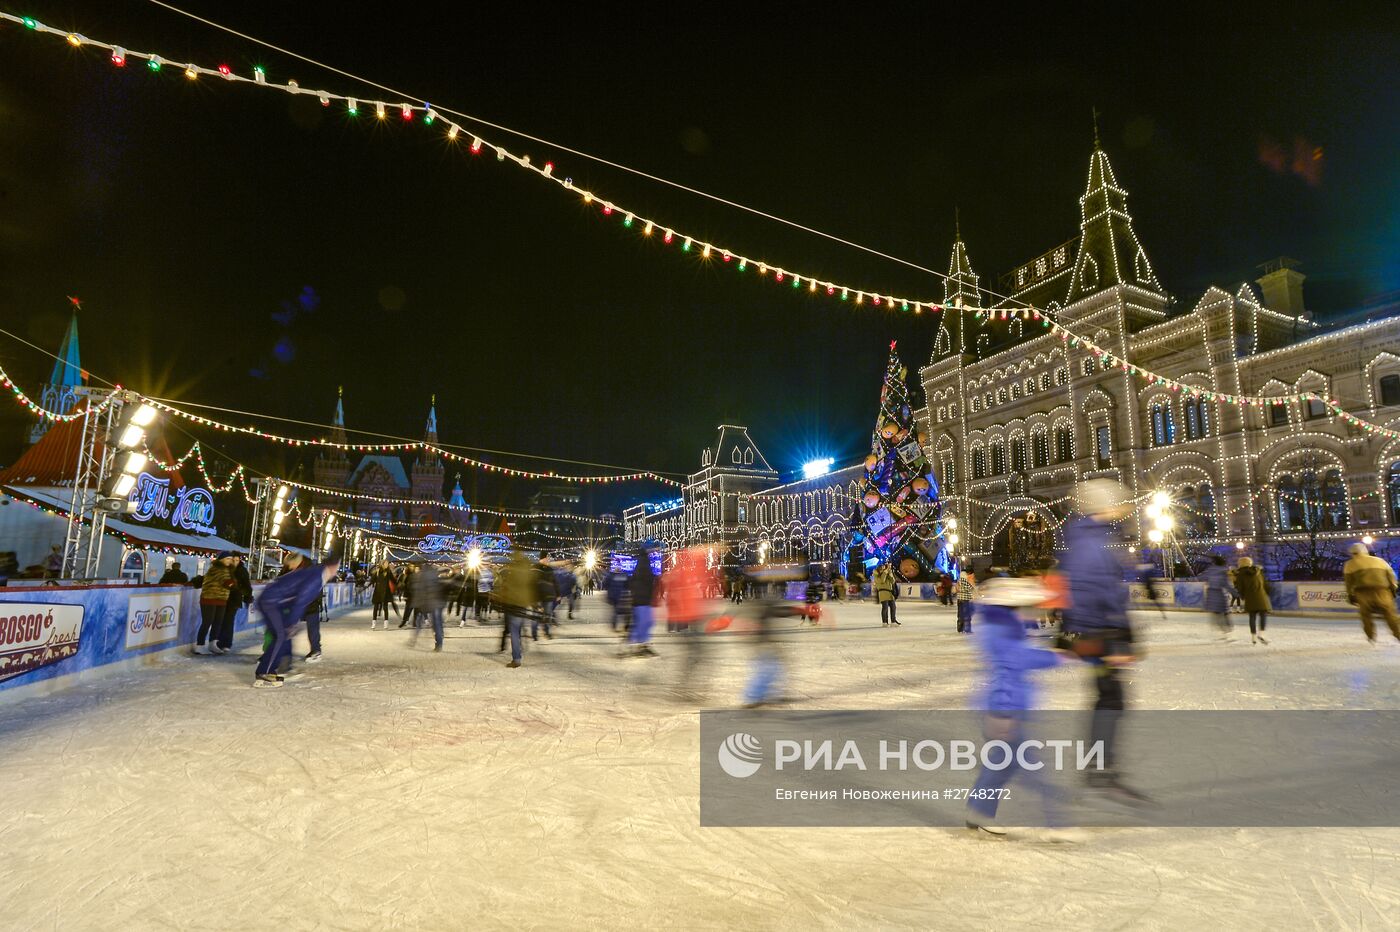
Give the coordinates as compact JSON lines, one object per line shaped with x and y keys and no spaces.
{"x":244,"y":248}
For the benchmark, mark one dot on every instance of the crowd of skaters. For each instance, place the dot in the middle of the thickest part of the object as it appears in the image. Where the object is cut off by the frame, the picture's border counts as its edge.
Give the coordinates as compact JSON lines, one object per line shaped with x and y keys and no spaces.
{"x":1085,"y":597}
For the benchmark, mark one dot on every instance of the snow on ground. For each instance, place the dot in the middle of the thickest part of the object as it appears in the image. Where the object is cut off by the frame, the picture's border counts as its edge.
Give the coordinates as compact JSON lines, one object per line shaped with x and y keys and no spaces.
{"x":395,"y":788}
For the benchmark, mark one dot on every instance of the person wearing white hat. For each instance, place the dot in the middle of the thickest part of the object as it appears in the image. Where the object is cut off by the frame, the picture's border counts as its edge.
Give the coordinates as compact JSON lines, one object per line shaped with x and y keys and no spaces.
{"x":1371,"y":588}
{"x":1009,"y":658}
{"x":1096,"y":622}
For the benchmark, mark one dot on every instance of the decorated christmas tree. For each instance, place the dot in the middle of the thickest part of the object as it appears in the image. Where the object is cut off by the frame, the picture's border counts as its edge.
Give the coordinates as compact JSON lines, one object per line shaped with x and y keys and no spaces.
{"x":898,"y":513}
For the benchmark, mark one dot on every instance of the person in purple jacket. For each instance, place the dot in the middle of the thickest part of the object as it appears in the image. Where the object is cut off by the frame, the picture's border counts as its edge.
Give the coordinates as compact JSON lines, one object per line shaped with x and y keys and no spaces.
{"x":1010,"y":659}
{"x":1096,"y":624}
{"x":283,"y":603}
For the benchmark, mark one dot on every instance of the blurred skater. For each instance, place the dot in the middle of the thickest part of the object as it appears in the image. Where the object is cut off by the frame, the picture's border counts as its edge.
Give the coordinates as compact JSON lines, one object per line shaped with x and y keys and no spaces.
{"x":283,"y":602}
{"x":515,"y":591}
{"x":1009,"y":659}
{"x":644,"y":590}
{"x":1096,"y":626}
{"x":382,"y":594}
{"x":1217,"y":586}
{"x":425,"y":588}
{"x":1370,"y":586}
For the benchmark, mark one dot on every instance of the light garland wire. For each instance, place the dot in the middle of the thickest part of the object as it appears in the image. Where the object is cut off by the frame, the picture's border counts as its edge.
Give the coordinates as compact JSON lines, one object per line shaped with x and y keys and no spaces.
{"x":408,"y":110}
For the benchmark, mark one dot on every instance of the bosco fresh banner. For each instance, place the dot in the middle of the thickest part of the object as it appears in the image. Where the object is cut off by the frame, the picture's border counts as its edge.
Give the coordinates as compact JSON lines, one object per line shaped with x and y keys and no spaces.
{"x":153,"y":618}
{"x":34,"y":635}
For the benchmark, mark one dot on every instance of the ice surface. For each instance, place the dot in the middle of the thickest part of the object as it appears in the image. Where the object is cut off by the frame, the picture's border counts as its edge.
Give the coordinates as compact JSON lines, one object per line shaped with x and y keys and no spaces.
{"x":395,"y":788}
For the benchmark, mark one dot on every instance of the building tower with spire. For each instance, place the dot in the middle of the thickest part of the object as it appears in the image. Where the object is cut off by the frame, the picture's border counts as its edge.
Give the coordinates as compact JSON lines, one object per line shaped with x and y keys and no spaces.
{"x":59,"y":394}
{"x":428,"y":474}
{"x":332,"y":466}
{"x":961,"y":298}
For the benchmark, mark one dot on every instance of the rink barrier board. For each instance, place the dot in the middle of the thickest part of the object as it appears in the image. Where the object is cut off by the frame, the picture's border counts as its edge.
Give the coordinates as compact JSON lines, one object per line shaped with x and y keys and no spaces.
{"x":117,"y":628}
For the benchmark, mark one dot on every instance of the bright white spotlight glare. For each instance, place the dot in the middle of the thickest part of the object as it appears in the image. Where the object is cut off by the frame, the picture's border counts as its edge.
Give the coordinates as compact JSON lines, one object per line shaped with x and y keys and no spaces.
{"x":134,"y":463}
{"x":952,"y":523}
{"x":590,"y":559}
{"x":1161,"y":499}
{"x":817,"y":467}
{"x":1165,"y":523}
{"x":1152,"y":511}
{"x":953,"y":539}
{"x":132,"y":435}
{"x":282,"y":493}
{"x":1155,"y":536}
{"x":144,"y":415}
{"x":124,"y":484}
{"x":473,"y":558}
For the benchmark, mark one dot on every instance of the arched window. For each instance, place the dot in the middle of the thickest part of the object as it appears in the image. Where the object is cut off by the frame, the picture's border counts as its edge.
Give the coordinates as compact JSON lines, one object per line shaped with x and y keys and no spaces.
{"x":998,"y":458}
{"x":975,"y":403}
{"x":979,"y":463}
{"x":1045,"y":381}
{"x":1015,"y":391}
{"x":1197,"y":511}
{"x":1040,"y":449}
{"x":1062,"y":376}
{"x":1392,"y":488}
{"x":947,"y":475}
{"x":1197,"y":423}
{"x":1001,"y":396}
{"x":1029,"y":386}
{"x":1088,"y":365}
{"x":1018,"y":454}
{"x":1159,"y":427}
{"x":1103,"y":446}
{"x":1312,"y":499}
{"x":1064,"y":443}
{"x":1390,"y":389}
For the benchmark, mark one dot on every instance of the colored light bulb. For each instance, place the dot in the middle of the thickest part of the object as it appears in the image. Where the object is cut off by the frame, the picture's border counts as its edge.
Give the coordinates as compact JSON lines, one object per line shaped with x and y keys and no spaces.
{"x":352,"y":106}
{"x":74,"y":39}
{"x":119,"y":57}
{"x":226,"y":71}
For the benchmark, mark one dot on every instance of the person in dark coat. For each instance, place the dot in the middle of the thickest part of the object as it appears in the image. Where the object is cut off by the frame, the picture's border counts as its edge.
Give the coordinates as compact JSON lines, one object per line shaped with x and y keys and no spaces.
{"x":239,"y":595}
{"x":644,"y":589}
{"x":1253,"y":590}
{"x":382,"y":597}
{"x":425,"y":589}
{"x":547,"y":589}
{"x":174,"y":575}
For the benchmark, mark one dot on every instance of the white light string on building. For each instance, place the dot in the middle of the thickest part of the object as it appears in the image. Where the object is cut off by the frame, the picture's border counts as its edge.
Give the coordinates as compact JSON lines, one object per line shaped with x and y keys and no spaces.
{"x":359,"y":496}
{"x":409,"y":112}
{"x":409,"y":446}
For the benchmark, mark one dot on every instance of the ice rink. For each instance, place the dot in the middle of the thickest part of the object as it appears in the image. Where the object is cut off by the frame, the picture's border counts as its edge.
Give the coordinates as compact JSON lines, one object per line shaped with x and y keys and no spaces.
{"x":396,"y":788}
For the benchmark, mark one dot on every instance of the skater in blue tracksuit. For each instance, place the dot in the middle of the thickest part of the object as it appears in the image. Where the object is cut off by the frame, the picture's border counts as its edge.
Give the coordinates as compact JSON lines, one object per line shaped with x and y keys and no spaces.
{"x":1009,"y":659}
{"x":283,"y":603}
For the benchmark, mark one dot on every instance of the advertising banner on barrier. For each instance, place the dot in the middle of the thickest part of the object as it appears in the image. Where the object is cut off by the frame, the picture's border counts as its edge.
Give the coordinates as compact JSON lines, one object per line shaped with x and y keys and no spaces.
{"x":1322,"y":596}
{"x":153,"y":618}
{"x":1138,"y":594}
{"x":36,"y":634}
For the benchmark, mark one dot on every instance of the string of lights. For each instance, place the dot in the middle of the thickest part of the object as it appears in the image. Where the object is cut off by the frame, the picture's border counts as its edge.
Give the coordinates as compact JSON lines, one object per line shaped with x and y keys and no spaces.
{"x":39,"y":410}
{"x":411,"y":112}
{"x":360,"y":496}
{"x":407,"y":446}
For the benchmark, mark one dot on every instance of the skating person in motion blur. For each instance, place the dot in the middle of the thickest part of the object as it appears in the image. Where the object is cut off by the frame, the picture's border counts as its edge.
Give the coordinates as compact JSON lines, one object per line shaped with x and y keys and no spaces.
{"x":1217,"y":587}
{"x":645,"y":589}
{"x":886,"y":592}
{"x":1096,"y":625}
{"x":283,"y":603}
{"x":1371,"y":588}
{"x":1009,"y":660}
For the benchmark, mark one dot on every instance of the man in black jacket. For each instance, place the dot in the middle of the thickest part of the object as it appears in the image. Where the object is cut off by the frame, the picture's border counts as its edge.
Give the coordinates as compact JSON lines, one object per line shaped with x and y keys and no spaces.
{"x":174,"y":575}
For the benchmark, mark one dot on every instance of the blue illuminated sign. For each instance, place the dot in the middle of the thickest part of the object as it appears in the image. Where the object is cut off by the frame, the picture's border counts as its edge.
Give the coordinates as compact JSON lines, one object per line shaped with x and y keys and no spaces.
{"x":192,"y":508}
